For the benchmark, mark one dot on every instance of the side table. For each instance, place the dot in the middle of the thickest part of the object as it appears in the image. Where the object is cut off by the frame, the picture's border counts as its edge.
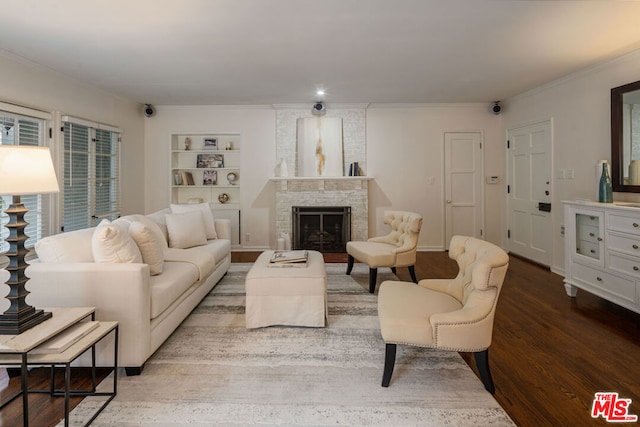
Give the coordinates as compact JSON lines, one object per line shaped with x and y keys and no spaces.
{"x":30,"y":348}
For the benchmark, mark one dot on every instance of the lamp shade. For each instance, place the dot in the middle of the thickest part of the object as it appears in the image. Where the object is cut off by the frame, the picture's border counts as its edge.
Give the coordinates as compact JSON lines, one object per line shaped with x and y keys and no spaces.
{"x":26,"y":170}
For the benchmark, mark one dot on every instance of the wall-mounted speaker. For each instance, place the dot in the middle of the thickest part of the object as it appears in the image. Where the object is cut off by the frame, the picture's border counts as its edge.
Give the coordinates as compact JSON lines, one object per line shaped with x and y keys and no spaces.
{"x":318,"y":109}
{"x":149,"y":110}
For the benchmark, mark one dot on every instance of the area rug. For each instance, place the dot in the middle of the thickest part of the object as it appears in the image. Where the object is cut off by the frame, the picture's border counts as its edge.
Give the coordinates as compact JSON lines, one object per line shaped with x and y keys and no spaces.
{"x":213,"y":371}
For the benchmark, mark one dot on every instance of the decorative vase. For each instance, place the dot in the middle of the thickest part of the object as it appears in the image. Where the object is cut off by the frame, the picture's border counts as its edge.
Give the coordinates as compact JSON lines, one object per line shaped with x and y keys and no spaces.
{"x":605,"y":191}
{"x":284,"y":171}
{"x":232,"y":178}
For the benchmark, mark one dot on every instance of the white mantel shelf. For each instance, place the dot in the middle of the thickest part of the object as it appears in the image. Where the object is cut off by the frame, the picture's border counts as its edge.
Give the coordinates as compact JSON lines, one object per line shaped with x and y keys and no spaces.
{"x":320,"y":178}
{"x":358,"y":181}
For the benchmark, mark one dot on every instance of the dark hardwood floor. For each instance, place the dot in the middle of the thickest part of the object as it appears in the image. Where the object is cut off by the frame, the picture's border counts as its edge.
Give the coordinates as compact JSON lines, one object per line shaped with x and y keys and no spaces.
{"x":550,"y":353}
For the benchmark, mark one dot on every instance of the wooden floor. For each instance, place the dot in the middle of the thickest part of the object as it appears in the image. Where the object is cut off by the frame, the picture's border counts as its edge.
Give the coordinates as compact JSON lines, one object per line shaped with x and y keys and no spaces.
{"x":550,"y":353}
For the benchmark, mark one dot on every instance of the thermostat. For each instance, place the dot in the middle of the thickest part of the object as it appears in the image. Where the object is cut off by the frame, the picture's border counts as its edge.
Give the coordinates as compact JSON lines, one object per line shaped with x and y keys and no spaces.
{"x":492,"y":179}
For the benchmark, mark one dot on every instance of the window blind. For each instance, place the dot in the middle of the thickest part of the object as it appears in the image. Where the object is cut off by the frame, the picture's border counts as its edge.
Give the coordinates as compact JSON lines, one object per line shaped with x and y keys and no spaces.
{"x":21,"y":130}
{"x":91,"y":173}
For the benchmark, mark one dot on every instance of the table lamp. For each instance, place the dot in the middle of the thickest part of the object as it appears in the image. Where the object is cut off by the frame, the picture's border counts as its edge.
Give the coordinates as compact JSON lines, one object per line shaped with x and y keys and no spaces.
{"x":24,"y":170}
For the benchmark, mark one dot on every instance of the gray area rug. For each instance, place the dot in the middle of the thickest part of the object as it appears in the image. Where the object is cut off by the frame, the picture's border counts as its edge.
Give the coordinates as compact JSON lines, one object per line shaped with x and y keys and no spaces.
{"x":213,"y":371}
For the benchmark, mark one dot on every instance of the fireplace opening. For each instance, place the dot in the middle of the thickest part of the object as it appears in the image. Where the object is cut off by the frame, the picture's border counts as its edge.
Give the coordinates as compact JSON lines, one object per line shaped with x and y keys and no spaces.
{"x":320,"y":228}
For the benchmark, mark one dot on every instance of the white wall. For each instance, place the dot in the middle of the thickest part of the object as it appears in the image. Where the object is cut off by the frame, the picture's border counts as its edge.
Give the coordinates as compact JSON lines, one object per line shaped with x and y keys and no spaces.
{"x":256,"y":126}
{"x":404,"y":148}
{"x":579,"y":106}
{"x":28,"y":85}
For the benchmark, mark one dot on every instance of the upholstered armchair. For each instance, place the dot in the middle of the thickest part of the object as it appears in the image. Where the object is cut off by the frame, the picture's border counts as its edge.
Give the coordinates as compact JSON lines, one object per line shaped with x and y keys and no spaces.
{"x":396,"y":249}
{"x":450,"y":314}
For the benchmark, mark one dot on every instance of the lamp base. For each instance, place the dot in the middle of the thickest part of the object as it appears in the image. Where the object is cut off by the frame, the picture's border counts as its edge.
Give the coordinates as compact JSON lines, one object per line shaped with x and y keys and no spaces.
{"x":15,"y":325}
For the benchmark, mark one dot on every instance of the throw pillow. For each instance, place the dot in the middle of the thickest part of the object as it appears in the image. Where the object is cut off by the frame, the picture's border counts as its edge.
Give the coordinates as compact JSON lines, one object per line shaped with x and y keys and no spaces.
{"x":112,"y":244}
{"x":207,"y":215}
{"x":151,"y":247}
{"x":186,"y":229}
{"x":72,"y":246}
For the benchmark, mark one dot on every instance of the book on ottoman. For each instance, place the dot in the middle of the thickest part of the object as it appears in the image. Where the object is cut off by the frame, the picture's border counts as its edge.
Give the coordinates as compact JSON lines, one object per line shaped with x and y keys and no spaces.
{"x":296,"y":258}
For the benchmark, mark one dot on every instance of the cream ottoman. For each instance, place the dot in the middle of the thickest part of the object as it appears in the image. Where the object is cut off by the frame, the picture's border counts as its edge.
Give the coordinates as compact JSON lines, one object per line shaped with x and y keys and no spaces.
{"x":292,"y":296}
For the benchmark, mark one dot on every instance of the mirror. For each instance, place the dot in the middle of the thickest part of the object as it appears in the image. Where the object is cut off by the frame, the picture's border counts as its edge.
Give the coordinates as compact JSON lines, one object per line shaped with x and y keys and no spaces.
{"x":625,"y":138}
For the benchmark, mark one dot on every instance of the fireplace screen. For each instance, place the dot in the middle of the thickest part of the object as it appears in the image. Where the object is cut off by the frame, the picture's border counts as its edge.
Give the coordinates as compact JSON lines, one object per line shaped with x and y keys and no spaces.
{"x":323,"y":229}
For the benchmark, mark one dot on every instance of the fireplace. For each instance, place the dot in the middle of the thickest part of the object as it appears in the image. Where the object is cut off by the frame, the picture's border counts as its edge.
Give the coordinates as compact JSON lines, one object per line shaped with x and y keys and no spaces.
{"x":323,"y":229}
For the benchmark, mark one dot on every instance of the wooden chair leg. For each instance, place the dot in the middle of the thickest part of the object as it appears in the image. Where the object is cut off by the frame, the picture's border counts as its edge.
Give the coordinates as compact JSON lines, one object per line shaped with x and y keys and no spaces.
{"x":412,"y":272}
{"x":393,"y":270}
{"x":389,"y":362}
{"x":482,"y":363}
{"x":373,"y":276}
{"x":350,"y":261}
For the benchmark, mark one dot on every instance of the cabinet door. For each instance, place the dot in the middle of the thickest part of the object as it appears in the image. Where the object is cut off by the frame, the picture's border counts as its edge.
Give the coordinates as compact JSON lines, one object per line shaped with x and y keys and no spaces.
{"x":586,"y":238}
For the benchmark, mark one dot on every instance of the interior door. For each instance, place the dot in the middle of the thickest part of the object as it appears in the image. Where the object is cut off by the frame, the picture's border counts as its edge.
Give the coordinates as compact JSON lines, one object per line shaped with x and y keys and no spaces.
{"x":464,"y":208}
{"x":529,"y":192}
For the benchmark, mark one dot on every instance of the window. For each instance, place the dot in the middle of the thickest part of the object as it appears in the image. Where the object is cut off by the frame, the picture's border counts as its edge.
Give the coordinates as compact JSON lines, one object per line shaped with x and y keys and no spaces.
{"x":91,"y":173}
{"x":17,"y":129}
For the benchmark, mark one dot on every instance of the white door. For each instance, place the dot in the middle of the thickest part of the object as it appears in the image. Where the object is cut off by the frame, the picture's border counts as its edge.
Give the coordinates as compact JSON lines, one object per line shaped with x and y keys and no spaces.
{"x":529,"y":192}
{"x":464,"y":212}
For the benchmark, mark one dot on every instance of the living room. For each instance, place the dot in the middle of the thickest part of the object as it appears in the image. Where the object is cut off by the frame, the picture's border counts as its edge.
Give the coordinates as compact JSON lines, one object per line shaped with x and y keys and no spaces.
{"x":404,"y":140}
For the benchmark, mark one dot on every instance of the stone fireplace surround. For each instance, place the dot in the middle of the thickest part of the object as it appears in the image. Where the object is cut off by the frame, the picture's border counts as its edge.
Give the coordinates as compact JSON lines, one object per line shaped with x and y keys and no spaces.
{"x":323,"y":191}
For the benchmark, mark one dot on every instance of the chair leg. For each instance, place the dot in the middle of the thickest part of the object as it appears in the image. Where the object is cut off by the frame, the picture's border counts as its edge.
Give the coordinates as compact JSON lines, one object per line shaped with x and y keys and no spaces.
{"x":350,"y":262}
{"x":373,"y":276}
{"x":389,"y":362}
{"x":412,"y":272}
{"x":482,"y":363}
{"x":393,"y":270}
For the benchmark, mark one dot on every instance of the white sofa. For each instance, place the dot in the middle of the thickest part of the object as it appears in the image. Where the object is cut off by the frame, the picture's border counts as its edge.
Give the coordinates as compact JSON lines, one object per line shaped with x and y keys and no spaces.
{"x":148,"y":307}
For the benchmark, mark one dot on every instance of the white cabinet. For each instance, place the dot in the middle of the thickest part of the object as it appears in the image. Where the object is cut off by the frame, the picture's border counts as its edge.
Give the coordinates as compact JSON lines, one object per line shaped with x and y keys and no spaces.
{"x":602,"y":251}
{"x":205,"y":167}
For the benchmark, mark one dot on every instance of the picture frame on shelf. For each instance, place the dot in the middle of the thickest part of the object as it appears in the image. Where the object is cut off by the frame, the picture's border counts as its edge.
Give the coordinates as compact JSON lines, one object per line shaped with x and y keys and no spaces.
{"x":211,"y":143}
{"x":177,"y":179}
{"x":210,"y":161}
{"x":210,"y":177}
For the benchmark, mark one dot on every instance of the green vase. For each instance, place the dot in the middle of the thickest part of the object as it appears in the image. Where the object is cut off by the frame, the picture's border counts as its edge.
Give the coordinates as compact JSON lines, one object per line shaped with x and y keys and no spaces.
{"x":605,"y":193}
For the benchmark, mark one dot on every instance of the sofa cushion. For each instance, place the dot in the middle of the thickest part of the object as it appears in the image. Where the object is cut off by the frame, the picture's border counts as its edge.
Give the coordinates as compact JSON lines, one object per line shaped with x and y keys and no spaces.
{"x":150,"y":245}
{"x":207,"y":216}
{"x":111,"y":243}
{"x":158,"y":217}
{"x":186,"y":229}
{"x":72,"y":246}
{"x":153,"y":226}
{"x":167,"y":287}
{"x":205,"y":257}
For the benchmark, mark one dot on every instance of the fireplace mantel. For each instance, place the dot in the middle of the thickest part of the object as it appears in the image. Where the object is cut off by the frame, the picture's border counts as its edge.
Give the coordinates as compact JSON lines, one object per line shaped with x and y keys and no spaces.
{"x":320,"y":180}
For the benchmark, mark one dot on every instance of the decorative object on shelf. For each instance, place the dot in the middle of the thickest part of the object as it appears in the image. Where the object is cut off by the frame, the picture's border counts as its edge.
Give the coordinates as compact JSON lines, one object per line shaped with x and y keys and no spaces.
{"x":223,"y":197}
{"x":605,"y":190}
{"x":283,"y":170}
{"x":211,"y":143}
{"x":354,"y":169}
{"x":177,"y":179}
{"x":187,"y":144}
{"x":229,"y":145}
{"x":210,"y":161}
{"x":187,"y":178}
{"x":24,"y":170}
{"x":209,"y":177}
{"x":232,"y":177}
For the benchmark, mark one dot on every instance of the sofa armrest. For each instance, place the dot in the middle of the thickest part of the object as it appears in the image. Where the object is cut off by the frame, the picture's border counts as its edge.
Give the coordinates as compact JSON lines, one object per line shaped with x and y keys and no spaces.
{"x":118,"y":291}
{"x":223,"y":228}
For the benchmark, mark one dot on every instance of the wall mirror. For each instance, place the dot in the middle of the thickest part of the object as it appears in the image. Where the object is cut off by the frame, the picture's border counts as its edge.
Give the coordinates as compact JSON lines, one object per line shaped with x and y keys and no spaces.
{"x":625,"y":138}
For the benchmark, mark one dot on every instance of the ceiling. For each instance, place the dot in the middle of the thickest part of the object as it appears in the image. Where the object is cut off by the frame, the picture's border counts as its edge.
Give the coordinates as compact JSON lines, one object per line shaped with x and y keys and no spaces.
{"x":201,"y":52}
